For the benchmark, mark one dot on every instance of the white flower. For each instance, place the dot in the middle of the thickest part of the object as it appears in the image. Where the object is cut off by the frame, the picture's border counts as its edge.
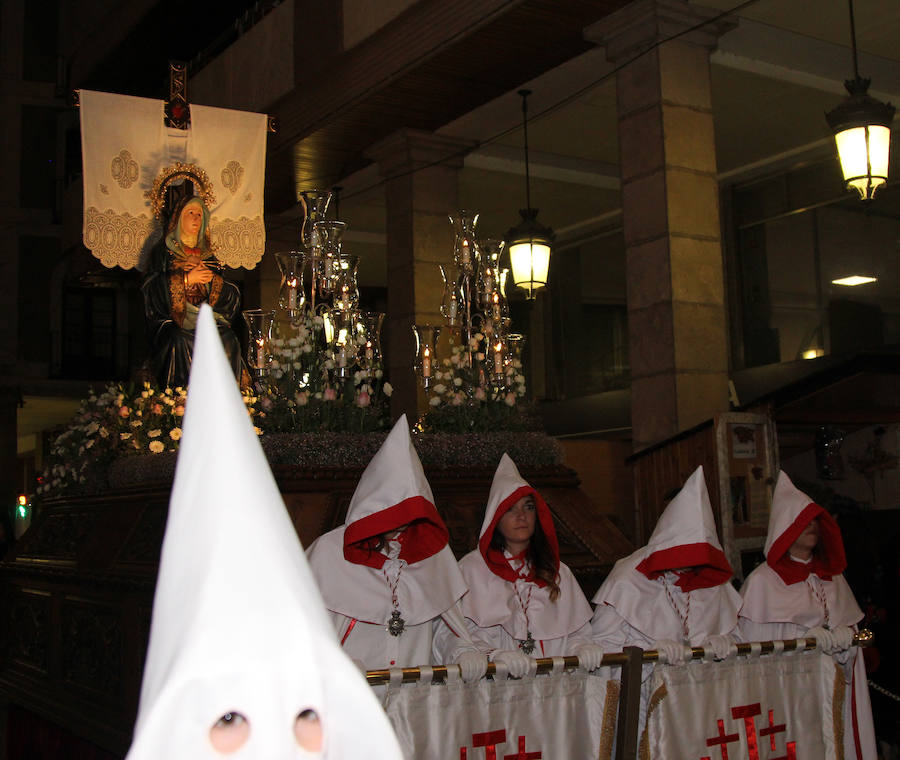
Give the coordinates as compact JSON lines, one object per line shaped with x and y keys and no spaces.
{"x":457,"y":381}
{"x":434,"y":401}
{"x":257,"y":430}
{"x":439,"y":388}
{"x":124,"y":436}
{"x":175,"y":434}
{"x":156,"y":446}
{"x":156,"y":433}
{"x":328,"y":364}
{"x":520,"y":379}
{"x":388,"y":389}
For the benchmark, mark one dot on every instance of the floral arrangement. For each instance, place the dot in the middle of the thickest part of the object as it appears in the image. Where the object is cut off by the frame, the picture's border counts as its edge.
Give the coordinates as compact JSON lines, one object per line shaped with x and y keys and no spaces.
{"x":464,"y":398}
{"x":304,"y":391}
{"x":121,"y":420}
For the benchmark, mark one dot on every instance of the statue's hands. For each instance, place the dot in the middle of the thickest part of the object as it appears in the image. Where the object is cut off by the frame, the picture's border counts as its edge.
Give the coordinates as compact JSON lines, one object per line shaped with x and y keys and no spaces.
{"x":199,"y":275}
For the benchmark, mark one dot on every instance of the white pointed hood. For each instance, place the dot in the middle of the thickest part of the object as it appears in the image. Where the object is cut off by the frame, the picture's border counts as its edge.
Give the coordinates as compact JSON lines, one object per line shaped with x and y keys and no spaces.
{"x":492,"y":599}
{"x":348,"y":564}
{"x":507,"y":488}
{"x":238,"y":625}
{"x":775,"y":592}
{"x":685,"y":537}
{"x":792,"y":511}
{"x":684,"y":541}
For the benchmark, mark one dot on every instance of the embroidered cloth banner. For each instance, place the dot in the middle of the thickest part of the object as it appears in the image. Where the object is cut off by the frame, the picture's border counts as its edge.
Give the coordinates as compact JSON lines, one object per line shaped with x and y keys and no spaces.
{"x":549,"y":717}
{"x":126,"y":145}
{"x":770,"y":708}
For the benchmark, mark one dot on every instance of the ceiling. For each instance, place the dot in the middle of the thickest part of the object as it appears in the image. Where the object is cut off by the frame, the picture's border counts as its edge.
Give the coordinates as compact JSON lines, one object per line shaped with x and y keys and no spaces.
{"x":773,"y":78}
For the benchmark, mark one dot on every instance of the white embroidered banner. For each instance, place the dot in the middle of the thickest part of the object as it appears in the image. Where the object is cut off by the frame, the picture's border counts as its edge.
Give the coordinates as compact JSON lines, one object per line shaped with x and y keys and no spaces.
{"x":566,"y":716}
{"x":125,"y":145}
{"x":774,"y":708}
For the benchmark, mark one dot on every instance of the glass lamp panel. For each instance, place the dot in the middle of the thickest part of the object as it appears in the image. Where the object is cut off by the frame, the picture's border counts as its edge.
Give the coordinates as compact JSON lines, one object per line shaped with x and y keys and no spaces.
{"x":530,"y":263}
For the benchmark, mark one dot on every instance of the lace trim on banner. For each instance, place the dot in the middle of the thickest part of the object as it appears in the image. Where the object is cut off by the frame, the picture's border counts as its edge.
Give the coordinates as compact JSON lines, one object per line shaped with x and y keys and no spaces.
{"x":116,"y":239}
{"x":238,"y":242}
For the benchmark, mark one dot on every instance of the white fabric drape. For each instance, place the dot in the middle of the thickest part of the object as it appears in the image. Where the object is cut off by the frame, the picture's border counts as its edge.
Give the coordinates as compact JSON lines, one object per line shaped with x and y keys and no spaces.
{"x":125,"y":145}
{"x":565,"y":715}
{"x":757,"y":708}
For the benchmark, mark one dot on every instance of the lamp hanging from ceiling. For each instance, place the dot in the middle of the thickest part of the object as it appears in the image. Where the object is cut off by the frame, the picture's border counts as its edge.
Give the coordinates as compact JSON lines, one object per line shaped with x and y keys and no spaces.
{"x":862,"y":131}
{"x":529,"y":242}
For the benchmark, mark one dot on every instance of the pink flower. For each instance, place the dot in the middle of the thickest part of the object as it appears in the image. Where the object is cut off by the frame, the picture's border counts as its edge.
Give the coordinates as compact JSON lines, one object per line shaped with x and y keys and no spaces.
{"x":363,"y":399}
{"x":266,"y":403}
{"x":179,"y":410}
{"x":510,"y":399}
{"x":457,"y":399}
{"x":330,"y":394}
{"x":479,"y":393}
{"x":157,"y":408}
{"x":302,"y":399}
{"x":124,"y":411}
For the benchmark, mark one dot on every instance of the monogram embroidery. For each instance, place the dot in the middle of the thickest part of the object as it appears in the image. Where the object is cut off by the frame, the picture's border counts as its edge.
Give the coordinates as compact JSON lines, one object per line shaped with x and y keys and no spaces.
{"x":124,"y":169}
{"x":232,"y":175}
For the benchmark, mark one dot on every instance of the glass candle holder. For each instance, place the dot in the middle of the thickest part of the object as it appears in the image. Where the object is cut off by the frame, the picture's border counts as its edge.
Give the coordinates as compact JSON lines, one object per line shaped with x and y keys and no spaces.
{"x":426,"y":359}
{"x":291,"y":297}
{"x":315,"y":205}
{"x":259,"y":338}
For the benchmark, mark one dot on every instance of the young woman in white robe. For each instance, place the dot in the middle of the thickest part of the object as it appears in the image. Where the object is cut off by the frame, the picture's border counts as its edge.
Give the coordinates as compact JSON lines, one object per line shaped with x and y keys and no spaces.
{"x":523,"y":602}
{"x":388,"y":576}
{"x":800,"y":591}
{"x":673,"y":593}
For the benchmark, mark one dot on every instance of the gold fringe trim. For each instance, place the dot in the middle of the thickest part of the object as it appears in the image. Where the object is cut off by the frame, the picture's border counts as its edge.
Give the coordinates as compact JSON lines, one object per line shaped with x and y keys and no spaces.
{"x":658,"y":696}
{"x":608,"y":726}
{"x":837,"y":711}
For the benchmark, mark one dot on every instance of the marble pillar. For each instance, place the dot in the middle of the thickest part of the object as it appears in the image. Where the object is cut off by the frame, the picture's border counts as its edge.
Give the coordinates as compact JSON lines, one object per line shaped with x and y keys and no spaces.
{"x":670,"y":206}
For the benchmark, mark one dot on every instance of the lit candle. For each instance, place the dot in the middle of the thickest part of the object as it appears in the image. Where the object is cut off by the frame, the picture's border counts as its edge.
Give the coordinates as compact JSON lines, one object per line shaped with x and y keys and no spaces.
{"x":260,"y":353}
{"x":345,"y":298}
{"x":426,"y":362}
{"x":370,"y":352}
{"x":498,"y":358}
{"x":454,"y":307}
{"x":292,"y":293}
{"x":464,"y":257}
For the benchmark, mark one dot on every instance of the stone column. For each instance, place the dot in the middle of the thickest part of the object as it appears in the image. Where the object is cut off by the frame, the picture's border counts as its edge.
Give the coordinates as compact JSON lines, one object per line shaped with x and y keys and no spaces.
{"x":670,"y":207}
{"x":421,"y":191}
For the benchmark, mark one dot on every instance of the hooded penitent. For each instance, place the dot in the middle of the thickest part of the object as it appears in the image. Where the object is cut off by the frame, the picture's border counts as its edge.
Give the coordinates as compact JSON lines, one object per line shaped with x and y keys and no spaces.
{"x":490,"y":576}
{"x":775,"y":592}
{"x":355,"y":577}
{"x":238,"y":624}
{"x":685,"y":548}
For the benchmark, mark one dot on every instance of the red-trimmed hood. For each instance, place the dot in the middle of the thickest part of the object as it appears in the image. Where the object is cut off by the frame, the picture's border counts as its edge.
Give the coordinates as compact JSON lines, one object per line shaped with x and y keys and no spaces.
{"x":792,"y":511}
{"x":508,"y":487}
{"x":685,"y":537}
{"x":392,"y":492}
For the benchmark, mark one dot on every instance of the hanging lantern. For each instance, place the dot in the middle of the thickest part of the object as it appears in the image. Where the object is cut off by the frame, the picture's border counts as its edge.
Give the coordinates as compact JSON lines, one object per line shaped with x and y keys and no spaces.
{"x":529,"y":242}
{"x":529,"y":252}
{"x":862,"y":132}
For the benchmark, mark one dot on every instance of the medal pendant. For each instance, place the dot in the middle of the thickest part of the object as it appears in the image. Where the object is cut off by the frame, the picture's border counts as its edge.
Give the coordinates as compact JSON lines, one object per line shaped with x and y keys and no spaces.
{"x":396,"y":624}
{"x":527,"y":646}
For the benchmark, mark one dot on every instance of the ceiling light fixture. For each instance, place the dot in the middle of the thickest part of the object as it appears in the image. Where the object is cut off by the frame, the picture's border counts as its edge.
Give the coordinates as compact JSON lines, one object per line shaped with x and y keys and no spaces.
{"x":529,"y":242}
{"x":862,"y":131}
{"x":854,"y":280}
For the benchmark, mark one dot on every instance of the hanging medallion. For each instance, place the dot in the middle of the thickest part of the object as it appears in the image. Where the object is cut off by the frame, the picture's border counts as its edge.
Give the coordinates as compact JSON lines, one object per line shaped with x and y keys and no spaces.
{"x":396,"y":624}
{"x":527,"y":646}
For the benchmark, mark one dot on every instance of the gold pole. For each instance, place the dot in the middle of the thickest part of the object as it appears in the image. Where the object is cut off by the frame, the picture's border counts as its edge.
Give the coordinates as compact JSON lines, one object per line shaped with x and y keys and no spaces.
{"x":615,"y":659}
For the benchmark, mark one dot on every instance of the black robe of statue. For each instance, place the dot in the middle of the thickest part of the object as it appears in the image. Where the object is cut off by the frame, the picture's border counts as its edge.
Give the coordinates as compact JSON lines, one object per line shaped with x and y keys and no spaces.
{"x":170,"y":309}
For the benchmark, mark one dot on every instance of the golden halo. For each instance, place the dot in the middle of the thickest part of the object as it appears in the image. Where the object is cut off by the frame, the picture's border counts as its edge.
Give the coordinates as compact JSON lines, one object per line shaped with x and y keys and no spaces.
{"x":156,"y":195}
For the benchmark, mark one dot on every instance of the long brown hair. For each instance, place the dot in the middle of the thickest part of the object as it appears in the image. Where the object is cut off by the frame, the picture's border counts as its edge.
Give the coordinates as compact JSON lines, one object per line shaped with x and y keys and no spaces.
{"x":538,"y":553}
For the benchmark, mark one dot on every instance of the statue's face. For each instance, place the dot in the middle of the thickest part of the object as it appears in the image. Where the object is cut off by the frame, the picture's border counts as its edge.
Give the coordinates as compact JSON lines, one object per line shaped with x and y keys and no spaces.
{"x":191,"y":219}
